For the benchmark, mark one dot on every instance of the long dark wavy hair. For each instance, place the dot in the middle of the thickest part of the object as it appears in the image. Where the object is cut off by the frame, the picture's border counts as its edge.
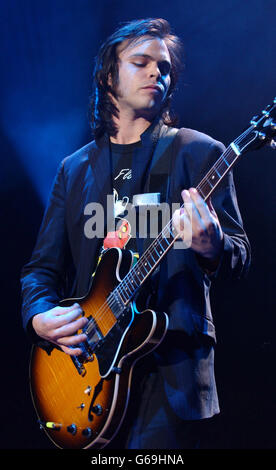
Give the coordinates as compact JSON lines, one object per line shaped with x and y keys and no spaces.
{"x":101,"y":108}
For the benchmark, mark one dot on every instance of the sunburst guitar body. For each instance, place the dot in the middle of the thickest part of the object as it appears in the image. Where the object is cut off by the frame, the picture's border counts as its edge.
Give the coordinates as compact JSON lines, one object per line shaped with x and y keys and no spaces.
{"x":81,"y":400}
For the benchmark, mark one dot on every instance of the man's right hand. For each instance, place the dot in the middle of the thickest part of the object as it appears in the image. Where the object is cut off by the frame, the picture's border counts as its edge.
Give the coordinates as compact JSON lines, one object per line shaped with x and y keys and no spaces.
{"x":60,"y":325}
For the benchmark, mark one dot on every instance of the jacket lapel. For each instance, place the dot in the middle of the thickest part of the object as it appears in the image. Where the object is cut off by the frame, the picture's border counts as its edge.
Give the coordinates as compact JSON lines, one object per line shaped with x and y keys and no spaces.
{"x":99,"y":158}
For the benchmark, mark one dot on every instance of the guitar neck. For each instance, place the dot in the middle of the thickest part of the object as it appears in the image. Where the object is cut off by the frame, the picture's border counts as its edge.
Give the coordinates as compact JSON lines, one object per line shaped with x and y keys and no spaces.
{"x":214,"y":176}
{"x":150,"y":259}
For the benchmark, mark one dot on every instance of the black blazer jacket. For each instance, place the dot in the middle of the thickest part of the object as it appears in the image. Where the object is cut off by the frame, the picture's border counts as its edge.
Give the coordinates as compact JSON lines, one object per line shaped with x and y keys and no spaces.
{"x":64,"y":259}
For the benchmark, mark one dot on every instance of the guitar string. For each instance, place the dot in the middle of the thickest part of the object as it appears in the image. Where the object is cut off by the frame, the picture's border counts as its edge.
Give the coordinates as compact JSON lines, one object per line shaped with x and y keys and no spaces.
{"x":221,"y":159}
{"x":106,"y":306}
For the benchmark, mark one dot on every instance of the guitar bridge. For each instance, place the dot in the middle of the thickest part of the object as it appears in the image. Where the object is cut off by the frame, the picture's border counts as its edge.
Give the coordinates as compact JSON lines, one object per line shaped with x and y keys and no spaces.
{"x":79,"y":365}
{"x":94,"y":337}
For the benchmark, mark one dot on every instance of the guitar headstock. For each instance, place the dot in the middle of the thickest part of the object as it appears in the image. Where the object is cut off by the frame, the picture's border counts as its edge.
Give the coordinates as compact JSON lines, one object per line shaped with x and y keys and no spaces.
{"x":261,"y":132}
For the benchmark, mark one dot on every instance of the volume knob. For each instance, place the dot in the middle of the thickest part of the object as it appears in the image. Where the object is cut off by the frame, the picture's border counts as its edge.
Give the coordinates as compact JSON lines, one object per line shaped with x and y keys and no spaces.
{"x":97,"y":409}
{"x":72,"y":429}
{"x":87,"y":432}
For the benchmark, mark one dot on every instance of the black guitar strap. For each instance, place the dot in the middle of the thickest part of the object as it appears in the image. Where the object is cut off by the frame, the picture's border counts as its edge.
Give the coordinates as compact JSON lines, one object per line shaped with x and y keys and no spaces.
{"x":158,"y":180}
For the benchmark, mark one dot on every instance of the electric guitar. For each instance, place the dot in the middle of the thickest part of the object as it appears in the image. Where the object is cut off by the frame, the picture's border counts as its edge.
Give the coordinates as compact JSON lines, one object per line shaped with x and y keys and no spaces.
{"x":81,"y":401}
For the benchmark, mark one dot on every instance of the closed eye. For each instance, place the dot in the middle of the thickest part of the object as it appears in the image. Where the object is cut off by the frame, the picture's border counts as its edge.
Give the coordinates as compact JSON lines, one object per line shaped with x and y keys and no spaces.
{"x":164,"y":65}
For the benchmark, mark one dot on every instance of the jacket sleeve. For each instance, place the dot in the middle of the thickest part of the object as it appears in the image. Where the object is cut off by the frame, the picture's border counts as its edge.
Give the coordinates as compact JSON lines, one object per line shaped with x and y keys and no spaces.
{"x":236,"y":254}
{"x":42,"y":276}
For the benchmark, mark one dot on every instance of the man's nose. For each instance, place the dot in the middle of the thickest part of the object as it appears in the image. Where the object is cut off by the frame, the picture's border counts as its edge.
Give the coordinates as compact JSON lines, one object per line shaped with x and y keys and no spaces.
{"x":155,"y":71}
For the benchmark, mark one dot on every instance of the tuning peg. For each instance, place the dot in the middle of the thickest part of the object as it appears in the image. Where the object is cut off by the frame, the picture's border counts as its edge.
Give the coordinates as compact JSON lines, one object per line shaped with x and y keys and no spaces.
{"x":273,"y":144}
{"x":265,"y":111}
{"x":261,"y":135}
{"x":253,"y":121}
{"x":273,"y":125}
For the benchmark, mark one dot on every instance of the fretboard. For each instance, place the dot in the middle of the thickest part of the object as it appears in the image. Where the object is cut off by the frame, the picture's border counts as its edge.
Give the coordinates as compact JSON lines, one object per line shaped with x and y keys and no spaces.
{"x":218,"y":171}
{"x":147,"y":263}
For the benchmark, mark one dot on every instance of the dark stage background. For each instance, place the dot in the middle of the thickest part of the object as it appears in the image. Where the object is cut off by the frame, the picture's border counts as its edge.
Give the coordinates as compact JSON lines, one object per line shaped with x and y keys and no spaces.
{"x":47,"y":52}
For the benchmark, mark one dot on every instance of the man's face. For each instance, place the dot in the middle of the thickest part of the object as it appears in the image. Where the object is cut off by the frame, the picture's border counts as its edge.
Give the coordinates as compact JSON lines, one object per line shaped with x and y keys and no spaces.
{"x":144,"y":76}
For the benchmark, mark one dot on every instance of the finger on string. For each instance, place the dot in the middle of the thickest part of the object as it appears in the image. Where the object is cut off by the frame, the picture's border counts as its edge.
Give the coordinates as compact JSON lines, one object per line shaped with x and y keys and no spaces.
{"x":71,"y":350}
{"x":201,"y":206}
{"x":189,"y":205}
{"x":199,"y":220}
{"x":71,"y":340}
{"x":180,"y":219}
{"x":63,"y":310}
{"x":71,"y":327}
{"x":68,"y":317}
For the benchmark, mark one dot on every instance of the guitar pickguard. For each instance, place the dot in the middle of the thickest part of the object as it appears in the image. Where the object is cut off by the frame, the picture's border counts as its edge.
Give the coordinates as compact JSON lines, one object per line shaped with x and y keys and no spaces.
{"x":107,"y":349}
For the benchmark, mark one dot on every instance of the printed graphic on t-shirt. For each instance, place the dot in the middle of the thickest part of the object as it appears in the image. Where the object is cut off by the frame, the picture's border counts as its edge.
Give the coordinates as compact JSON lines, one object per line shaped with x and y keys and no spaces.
{"x":122,"y":234}
{"x":125,"y":173}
